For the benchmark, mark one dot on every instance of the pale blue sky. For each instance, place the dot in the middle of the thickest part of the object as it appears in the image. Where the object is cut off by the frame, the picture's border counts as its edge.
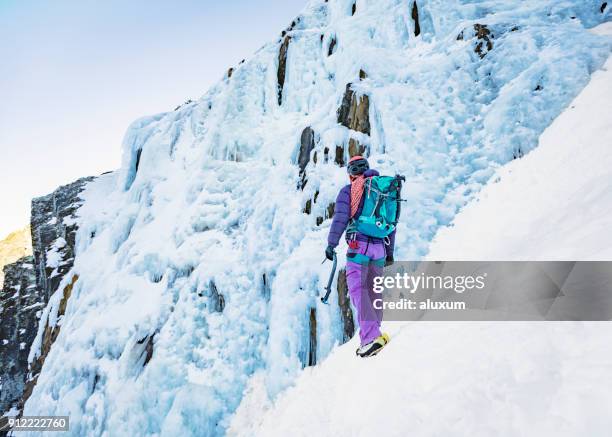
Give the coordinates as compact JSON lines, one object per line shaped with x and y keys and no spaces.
{"x":74,"y":74}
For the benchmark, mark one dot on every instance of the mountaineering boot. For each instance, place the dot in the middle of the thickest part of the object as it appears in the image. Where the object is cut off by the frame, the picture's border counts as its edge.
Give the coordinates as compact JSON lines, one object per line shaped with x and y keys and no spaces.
{"x":373,"y":347}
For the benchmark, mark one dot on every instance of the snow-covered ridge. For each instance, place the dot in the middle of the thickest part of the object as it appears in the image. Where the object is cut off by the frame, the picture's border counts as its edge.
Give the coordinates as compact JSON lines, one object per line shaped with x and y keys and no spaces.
{"x":197,"y":267}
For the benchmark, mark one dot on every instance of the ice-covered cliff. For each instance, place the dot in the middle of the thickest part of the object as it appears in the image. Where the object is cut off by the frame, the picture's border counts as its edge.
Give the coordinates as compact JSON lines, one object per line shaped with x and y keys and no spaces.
{"x":198,"y":262}
{"x":557,"y":199}
{"x":484,"y":378}
{"x":49,"y":245}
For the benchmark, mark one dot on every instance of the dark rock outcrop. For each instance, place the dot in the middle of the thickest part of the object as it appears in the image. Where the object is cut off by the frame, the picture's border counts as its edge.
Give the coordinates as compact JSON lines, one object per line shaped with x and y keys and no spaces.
{"x":53,"y":234}
{"x":282,"y":67}
{"x":346,"y":313}
{"x":330,"y":210}
{"x":141,"y":353}
{"x":517,"y":153}
{"x":355,"y":148}
{"x":20,"y":306}
{"x":216,"y":301}
{"x":329,"y":213}
{"x":308,"y":206}
{"x":187,"y":102}
{"x":137,"y":164}
{"x":307,"y":144}
{"x":484,"y":38}
{"x":332,"y":46}
{"x":312,"y":346}
{"x":415,"y":18}
{"x":354,"y":112}
{"x":266,"y":292}
{"x":339,"y":159}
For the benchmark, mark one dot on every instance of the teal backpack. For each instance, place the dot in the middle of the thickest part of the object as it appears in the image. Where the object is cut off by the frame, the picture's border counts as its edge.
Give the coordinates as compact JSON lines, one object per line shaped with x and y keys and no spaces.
{"x":381,"y":206}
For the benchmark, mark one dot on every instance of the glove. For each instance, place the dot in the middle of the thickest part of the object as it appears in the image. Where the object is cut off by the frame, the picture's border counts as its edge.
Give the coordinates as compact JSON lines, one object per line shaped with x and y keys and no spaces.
{"x":329,"y":253}
{"x":389,"y":260}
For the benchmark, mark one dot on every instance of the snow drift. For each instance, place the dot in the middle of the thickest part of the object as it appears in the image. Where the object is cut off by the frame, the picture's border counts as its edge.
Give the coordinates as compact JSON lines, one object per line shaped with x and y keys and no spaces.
{"x":198,"y":262}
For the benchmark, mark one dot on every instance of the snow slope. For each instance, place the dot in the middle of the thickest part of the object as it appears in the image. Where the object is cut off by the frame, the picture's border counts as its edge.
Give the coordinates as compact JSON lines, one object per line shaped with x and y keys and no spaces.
{"x":452,"y":379}
{"x":557,"y":199}
{"x":197,"y":269}
{"x":483,"y":379}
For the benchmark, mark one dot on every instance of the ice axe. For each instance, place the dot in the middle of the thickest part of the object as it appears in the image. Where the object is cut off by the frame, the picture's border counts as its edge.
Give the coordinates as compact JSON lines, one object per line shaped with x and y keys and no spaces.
{"x":329,"y":282}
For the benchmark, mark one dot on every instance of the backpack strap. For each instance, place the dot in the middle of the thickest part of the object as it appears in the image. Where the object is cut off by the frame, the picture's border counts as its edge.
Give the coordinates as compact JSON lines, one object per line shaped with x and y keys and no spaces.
{"x":398,"y":187}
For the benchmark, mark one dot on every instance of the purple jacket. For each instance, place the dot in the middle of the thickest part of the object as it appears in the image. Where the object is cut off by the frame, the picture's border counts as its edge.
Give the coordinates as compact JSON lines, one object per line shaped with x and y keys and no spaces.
{"x":342,"y":216}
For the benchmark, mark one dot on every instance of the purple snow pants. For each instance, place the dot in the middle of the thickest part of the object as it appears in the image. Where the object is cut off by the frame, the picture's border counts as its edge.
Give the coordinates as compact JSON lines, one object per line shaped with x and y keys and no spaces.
{"x":359,"y":278}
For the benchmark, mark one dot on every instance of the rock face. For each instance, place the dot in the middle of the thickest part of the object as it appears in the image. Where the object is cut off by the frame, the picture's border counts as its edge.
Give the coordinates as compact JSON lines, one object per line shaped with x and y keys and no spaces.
{"x":356,"y":148}
{"x":332,"y":46}
{"x":28,"y":285}
{"x":312,"y":347}
{"x":307,"y":144}
{"x":53,"y":234}
{"x":16,"y":245}
{"x":354,"y":112}
{"x":415,"y":18}
{"x":348,"y":324}
{"x":282,"y":67}
{"x":217,"y":300}
{"x":49,"y":337}
{"x":328,"y":213}
{"x":20,"y":306}
{"x":483,"y":36}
